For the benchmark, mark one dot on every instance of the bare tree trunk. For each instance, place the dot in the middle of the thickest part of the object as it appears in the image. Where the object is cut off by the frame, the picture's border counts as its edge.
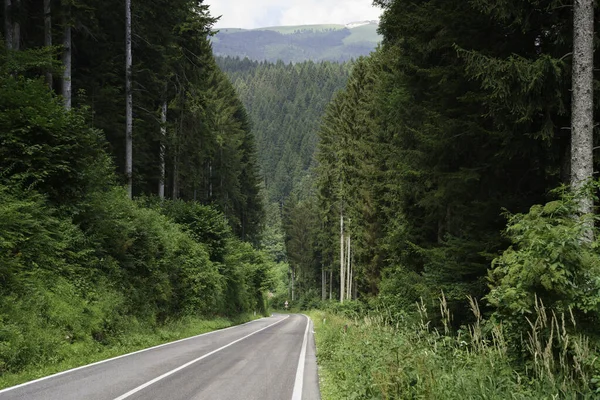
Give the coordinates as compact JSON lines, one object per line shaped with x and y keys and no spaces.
{"x":582,"y":113}
{"x":331,"y":283}
{"x":128,"y":102}
{"x":48,"y":35}
{"x":163,"y":139}
{"x":8,"y":25}
{"x":348,"y":276}
{"x":67,"y":59}
{"x":342,"y":259}
{"x":323,"y":283}
{"x":293,"y":288}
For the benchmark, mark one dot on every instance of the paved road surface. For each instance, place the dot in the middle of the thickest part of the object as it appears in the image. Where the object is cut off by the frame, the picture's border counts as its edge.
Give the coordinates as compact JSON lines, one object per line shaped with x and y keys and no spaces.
{"x":271,"y":358}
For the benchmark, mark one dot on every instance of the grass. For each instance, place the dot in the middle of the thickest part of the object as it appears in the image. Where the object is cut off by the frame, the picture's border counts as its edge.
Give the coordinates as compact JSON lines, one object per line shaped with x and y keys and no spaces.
{"x":287,"y":30}
{"x":367,"y":358}
{"x":362,"y":34}
{"x":83,"y":353}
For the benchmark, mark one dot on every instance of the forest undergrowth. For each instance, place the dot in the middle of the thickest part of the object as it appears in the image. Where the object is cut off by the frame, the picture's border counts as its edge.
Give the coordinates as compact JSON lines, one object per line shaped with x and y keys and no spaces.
{"x":377,"y":355}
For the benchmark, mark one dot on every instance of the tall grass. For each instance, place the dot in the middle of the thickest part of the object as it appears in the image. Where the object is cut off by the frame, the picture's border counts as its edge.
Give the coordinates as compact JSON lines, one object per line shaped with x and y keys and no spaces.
{"x":370,"y":358}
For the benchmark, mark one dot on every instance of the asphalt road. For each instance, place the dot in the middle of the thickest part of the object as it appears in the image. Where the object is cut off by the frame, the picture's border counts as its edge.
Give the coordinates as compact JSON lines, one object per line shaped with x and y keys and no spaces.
{"x":271,"y":358}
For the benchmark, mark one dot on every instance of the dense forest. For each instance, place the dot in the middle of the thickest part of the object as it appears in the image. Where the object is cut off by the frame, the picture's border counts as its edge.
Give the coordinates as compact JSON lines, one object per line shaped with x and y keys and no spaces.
{"x":454,"y":172}
{"x":437,"y":142}
{"x":435,"y":200}
{"x":129,"y":183}
{"x":285,"y":103}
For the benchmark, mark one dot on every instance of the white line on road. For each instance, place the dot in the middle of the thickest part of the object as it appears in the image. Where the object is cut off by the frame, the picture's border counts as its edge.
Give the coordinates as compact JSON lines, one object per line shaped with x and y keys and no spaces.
{"x":297,"y":394}
{"x":163,"y":376}
{"x":118,"y":357}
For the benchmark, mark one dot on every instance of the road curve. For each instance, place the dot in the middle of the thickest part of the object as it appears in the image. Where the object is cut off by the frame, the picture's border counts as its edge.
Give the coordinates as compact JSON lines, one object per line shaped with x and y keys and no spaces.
{"x":268,"y":359}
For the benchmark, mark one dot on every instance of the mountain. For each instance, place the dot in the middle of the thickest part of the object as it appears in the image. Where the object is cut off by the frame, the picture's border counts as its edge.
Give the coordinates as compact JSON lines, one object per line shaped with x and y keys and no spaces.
{"x":299,"y":43}
{"x":285,"y":103}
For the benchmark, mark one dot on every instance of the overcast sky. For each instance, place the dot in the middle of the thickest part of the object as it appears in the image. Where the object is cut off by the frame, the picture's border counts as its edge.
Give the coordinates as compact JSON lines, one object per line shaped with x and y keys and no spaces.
{"x":262,"y":13}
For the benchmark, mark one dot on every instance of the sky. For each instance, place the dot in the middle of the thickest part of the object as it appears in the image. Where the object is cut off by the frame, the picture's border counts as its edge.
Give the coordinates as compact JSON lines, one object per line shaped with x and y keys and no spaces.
{"x":250,"y":14}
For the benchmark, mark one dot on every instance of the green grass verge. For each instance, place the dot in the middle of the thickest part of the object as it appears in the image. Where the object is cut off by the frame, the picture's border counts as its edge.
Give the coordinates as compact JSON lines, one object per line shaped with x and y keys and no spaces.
{"x":365,"y":359}
{"x":140,"y":337}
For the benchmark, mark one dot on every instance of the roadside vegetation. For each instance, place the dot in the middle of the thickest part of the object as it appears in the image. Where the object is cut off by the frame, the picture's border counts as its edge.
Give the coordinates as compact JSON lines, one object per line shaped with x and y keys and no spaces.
{"x":88,"y":271}
{"x":136,"y":336}
{"x":452,"y":166}
{"x":372,"y":356}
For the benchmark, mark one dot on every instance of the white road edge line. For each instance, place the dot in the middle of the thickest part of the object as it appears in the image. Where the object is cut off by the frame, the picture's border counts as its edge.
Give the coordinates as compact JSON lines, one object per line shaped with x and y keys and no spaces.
{"x":118,"y":357}
{"x":163,"y":376}
{"x":297,"y":394}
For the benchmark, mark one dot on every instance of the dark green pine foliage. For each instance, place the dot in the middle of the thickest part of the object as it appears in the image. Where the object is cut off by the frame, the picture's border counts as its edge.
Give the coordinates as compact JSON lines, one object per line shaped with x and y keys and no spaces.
{"x":459,"y":116}
{"x":301,"y":224}
{"x":208,"y":142}
{"x":460,"y":167}
{"x":285,"y":103}
{"x":350,"y":161}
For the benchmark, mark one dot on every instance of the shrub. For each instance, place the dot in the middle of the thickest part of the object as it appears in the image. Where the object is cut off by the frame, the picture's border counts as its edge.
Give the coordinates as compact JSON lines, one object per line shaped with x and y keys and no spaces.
{"x":548,"y":263}
{"x":45,"y":148}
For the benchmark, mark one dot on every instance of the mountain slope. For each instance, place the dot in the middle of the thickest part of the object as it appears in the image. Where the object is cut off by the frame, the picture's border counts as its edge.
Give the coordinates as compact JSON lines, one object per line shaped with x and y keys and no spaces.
{"x":299,"y":43}
{"x":285,"y":103}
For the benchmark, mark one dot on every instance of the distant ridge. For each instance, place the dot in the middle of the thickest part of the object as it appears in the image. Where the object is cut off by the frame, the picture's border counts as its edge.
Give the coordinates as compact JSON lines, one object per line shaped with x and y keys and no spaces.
{"x":361,"y":23}
{"x":325,"y":42}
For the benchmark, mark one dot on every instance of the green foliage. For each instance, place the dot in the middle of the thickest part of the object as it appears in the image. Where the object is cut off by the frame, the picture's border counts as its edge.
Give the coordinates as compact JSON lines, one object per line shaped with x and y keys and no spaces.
{"x":82,"y":267}
{"x":548,"y":263}
{"x":249,"y":274}
{"x":204,"y":223}
{"x":49,"y":298}
{"x":361,"y":357}
{"x":286,"y":115}
{"x":134,"y":336}
{"x":44,"y":148}
{"x":67,"y":286}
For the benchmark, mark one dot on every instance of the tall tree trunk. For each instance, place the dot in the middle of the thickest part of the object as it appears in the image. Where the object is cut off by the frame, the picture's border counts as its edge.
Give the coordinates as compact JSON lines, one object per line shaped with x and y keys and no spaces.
{"x":163,"y":139}
{"x":348,"y":266}
{"x":342,"y":259}
{"x":331,"y":284}
{"x":293,"y":288}
{"x":48,"y":35}
{"x":67,"y":58}
{"x":8,"y":25}
{"x":582,"y":113}
{"x":128,"y":102}
{"x":323,"y":283}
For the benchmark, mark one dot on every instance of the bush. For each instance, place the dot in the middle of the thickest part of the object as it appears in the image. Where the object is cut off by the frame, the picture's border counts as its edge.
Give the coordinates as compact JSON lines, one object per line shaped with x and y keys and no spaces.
{"x":154,"y":259}
{"x":249,"y":274}
{"x":204,"y":223}
{"x":549,"y":263}
{"x":45,"y":148}
{"x":49,"y":298}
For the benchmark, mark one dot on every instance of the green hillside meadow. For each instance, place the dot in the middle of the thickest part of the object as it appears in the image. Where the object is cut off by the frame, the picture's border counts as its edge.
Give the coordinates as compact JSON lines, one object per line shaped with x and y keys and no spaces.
{"x":329,"y":42}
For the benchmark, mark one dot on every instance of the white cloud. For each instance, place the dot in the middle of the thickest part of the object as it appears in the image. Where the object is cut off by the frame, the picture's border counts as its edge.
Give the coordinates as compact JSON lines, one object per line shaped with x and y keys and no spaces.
{"x":260,"y":13}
